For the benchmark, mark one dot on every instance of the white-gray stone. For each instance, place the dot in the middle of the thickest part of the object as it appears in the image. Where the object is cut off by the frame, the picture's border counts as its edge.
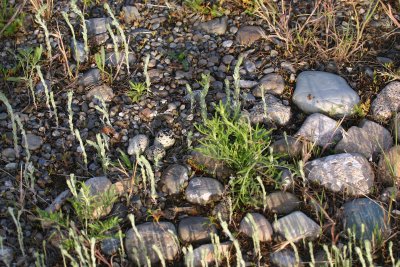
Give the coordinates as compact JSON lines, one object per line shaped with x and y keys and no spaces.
{"x":285,"y":258}
{"x":6,"y":255}
{"x":103,"y":91}
{"x":97,"y":26}
{"x":275,"y":111}
{"x":345,"y":173}
{"x":34,"y":141}
{"x":78,"y":53}
{"x":297,"y":226}
{"x":98,"y":187}
{"x":320,"y":129}
{"x":138,"y":144}
{"x":282,"y":202}
{"x":215,"y":26}
{"x":174,"y":178}
{"x":90,"y":77}
{"x":204,"y":190}
{"x":165,"y":138}
{"x":387,"y":102}
{"x":161,"y":234}
{"x":272,"y":83}
{"x":256,"y":224}
{"x":324,"y":92}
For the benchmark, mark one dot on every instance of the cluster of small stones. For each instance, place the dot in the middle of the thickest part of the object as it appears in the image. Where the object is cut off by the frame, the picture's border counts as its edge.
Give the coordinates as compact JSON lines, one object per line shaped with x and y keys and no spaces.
{"x":326,"y":97}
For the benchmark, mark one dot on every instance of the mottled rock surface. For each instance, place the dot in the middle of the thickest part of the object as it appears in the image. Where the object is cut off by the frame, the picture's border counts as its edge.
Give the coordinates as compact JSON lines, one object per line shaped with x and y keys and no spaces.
{"x":247,"y":35}
{"x":387,"y":102}
{"x":203,"y":190}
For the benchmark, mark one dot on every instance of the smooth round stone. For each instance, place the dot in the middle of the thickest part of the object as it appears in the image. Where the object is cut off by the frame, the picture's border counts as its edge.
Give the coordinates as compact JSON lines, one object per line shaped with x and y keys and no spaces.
{"x":110,"y":246}
{"x":160,"y":234}
{"x":102,"y":92}
{"x":297,"y":226}
{"x":34,"y":141}
{"x":389,"y":166}
{"x":276,"y":111}
{"x":196,"y":230}
{"x":138,"y":144}
{"x":97,"y":26}
{"x":174,"y":178}
{"x":271,"y":83}
{"x":282,"y":202}
{"x":320,"y":129}
{"x":364,"y":211}
{"x":155,"y":153}
{"x":90,"y":77}
{"x":387,"y":102}
{"x":285,"y":258}
{"x":8,"y":154}
{"x":207,"y":253}
{"x":203,"y":190}
{"x":6,"y":255}
{"x":256,"y":223}
{"x":324,"y":92}
{"x":98,"y":186}
{"x":216,"y":26}
{"x":165,"y":138}
{"x":247,"y":35}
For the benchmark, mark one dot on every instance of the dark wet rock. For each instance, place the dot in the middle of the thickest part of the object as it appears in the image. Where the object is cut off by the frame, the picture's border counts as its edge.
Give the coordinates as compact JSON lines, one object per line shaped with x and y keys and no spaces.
{"x":285,"y":258}
{"x":345,"y":173}
{"x":203,"y":190}
{"x":324,"y":92}
{"x":174,"y":178}
{"x":196,"y":230}
{"x":215,"y":26}
{"x":110,"y":246}
{"x":160,"y":234}
{"x":103,"y":91}
{"x":34,"y":141}
{"x":389,"y":166}
{"x":297,"y":226}
{"x":364,"y":211}
{"x":320,"y":129}
{"x":289,"y":145}
{"x":271,"y":83}
{"x":282,"y":202}
{"x":208,"y":253}
{"x":247,"y":35}
{"x":256,"y":224}
{"x":138,"y":144}
{"x":387,"y":102}
{"x":90,"y":77}
{"x":211,"y":166}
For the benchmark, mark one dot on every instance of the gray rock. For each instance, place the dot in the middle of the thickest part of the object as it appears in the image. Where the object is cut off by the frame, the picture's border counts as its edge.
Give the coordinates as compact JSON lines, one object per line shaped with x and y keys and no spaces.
{"x":364,"y":211}
{"x":97,"y":26}
{"x":208,"y":253}
{"x":285,"y":258}
{"x":396,"y":126}
{"x":387,"y":102}
{"x":223,"y":209}
{"x":215,"y":26}
{"x":288,"y":146}
{"x":246,"y":84}
{"x":8,"y":154}
{"x":131,"y":14}
{"x":320,"y":129}
{"x":227,"y":59}
{"x":324,"y":92}
{"x":160,"y":234}
{"x":211,"y":166}
{"x":247,"y":35}
{"x":249,"y":66}
{"x":276,"y":111}
{"x":155,"y":153}
{"x":174,"y":178}
{"x":350,"y":173}
{"x":90,"y":77}
{"x":98,"y":187}
{"x":98,"y":39}
{"x":196,"y":230}
{"x":110,"y":246}
{"x":297,"y":226}
{"x":165,"y":138}
{"x":390,"y":194}
{"x":103,"y":91}
{"x":78,"y":53}
{"x":282,"y":202}
{"x":203,"y":190}
{"x":112,"y":59}
{"x":272,"y":83}
{"x":6,"y":255}
{"x":34,"y":141}
{"x":256,"y":224}
{"x":389,"y":166}
{"x":379,"y":136}
{"x":138,"y":144}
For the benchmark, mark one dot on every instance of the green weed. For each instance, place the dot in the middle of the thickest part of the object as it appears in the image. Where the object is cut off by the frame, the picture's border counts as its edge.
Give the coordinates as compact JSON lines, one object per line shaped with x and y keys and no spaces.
{"x":6,"y":12}
{"x":136,"y":91}
{"x":204,"y":8}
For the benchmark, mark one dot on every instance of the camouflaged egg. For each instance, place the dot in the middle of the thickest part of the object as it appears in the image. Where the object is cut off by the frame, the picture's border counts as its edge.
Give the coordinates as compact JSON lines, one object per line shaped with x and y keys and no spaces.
{"x":165,"y":138}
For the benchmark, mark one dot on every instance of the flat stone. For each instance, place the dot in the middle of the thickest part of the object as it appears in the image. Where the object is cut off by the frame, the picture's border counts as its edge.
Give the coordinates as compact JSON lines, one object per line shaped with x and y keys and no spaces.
{"x":285,"y":258}
{"x":324,"y":92}
{"x":247,"y":35}
{"x":297,"y":226}
{"x":138,"y":144}
{"x":350,"y":173}
{"x":103,"y":91}
{"x":196,"y":230}
{"x":246,"y":84}
{"x":208,"y":253}
{"x":97,"y":26}
{"x":131,"y":14}
{"x":34,"y":141}
{"x":276,"y":111}
{"x":256,"y":224}
{"x":90,"y":77}
{"x":364,"y":211}
{"x":387,"y":101}
{"x":288,"y":146}
{"x":216,"y":168}
{"x":160,"y":234}
{"x":174,"y":178}
{"x":216,"y":26}
{"x":165,"y":138}
{"x":320,"y":129}
{"x":98,"y":186}
{"x":389,"y":166}
{"x":272,"y":83}
{"x":203,"y":190}
{"x":282,"y":202}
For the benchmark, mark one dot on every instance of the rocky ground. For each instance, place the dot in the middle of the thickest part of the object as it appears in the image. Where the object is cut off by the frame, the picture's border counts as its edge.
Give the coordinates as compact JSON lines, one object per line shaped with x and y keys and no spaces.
{"x":335,"y":120}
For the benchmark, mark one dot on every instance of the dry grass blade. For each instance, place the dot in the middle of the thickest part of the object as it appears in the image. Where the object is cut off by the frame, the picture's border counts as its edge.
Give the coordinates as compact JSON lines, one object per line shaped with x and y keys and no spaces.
{"x":38,"y":4}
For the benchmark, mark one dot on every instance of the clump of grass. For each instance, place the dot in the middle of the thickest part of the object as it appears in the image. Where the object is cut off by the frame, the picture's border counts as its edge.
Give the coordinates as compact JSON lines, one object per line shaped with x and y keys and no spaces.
{"x":9,"y":26}
{"x":137,"y":90}
{"x":245,"y":148}
{"x":204,"y":8}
